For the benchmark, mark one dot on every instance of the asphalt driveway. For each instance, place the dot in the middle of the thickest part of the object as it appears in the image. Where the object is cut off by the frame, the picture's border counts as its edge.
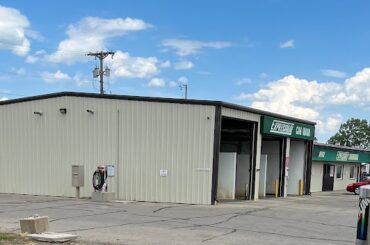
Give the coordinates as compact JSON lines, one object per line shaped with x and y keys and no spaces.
{"x":325,"y":218}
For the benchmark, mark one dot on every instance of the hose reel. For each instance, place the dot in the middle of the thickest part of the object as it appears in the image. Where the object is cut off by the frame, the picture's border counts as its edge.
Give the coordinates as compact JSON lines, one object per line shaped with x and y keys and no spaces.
{"x":99,"y":179}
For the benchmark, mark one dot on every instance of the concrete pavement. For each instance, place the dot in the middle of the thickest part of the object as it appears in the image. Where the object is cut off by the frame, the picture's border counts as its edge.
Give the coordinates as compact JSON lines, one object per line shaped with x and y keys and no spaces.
{"x":325,"y":218}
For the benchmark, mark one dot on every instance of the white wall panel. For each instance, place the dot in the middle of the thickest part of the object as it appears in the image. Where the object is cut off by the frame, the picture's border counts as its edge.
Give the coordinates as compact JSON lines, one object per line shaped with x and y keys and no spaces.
{"x":263,"y":176}
{"x":296,"y":166}
{"x":36,"y":152}
{"x":226,"y":175}
{"x":316,"y":176}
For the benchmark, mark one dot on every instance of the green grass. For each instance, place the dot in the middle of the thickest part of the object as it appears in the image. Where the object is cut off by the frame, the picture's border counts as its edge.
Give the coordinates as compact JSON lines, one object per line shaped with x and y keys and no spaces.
{"x":7,"y":237}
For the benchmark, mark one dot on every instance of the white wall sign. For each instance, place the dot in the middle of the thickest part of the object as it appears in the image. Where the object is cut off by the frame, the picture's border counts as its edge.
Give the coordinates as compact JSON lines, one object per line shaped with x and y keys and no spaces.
{"x":163,"y":172}
{"x":110,"y":170}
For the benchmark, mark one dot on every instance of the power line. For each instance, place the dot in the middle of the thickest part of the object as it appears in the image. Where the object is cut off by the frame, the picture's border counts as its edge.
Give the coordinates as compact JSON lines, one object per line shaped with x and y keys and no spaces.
{"x":101,"y":71}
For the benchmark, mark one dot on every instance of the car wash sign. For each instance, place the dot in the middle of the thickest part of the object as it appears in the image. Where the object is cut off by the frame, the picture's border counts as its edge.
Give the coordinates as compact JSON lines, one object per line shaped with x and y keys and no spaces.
{"x":284,"y":128}
{"x":332,"y":154}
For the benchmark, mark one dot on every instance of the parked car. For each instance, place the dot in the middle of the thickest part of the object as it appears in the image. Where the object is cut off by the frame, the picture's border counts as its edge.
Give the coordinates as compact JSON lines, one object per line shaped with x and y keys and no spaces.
{"x":355,"y":187}
{"x":365,"y":177}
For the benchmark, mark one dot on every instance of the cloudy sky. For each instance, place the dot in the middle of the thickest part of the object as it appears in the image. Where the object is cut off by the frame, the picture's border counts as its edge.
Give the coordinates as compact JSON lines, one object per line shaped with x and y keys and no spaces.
{"x":304,"y":59}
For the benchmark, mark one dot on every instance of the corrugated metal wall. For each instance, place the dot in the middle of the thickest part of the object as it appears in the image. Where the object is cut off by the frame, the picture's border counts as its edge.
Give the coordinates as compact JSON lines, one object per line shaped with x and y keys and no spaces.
{"x":173,"y":137}
{"x":228,"y":112}
{"x":140,"y":138}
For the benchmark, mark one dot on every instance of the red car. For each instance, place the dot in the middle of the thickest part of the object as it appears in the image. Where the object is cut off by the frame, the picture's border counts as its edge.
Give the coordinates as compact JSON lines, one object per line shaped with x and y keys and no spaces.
{"x":355,"y":187}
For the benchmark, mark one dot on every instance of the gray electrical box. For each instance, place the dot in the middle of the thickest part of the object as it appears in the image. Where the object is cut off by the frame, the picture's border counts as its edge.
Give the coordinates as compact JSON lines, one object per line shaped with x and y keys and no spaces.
{"x":78,"y":175}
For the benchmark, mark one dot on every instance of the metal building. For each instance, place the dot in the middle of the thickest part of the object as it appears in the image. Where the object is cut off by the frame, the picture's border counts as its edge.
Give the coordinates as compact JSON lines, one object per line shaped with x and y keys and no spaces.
{"x":334,"y":166}
{"x":163,"y":150}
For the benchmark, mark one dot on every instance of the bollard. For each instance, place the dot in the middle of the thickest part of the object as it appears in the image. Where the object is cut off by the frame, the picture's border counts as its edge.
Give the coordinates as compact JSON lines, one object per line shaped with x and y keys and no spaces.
{"x":362,"y":237}
{"x":300,"y":186}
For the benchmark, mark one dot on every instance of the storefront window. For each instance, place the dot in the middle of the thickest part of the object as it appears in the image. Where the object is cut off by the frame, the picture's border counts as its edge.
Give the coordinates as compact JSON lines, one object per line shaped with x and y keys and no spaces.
{"x":352,"y":172}
{"x":339,"y":171}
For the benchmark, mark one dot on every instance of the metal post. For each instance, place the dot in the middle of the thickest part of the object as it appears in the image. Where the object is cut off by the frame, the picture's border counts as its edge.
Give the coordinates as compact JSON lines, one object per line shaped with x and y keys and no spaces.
{"x":101,"y":73}
{"x":300,"y":187}
{"x":363,"y":217}
{"x":77,"y":192}
{"x":186,"y":91}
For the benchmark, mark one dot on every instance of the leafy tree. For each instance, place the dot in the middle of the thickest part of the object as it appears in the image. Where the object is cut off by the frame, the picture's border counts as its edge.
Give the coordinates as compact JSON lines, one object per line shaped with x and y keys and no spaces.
{"x":353,"y":133}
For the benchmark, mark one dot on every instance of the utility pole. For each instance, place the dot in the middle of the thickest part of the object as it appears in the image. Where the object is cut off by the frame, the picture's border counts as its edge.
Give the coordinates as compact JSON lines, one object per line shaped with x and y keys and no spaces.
{"x":100,"y":72}
{"x":185,"y":87}
{"x":186,"y":91}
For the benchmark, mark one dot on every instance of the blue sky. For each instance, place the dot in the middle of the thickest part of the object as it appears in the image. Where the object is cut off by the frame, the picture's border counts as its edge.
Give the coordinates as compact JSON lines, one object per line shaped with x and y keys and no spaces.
{"x":304,"y":59}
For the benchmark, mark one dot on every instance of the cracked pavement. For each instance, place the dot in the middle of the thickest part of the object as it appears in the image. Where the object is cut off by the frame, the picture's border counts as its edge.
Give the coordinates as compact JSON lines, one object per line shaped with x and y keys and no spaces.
{"x":324,"y":218}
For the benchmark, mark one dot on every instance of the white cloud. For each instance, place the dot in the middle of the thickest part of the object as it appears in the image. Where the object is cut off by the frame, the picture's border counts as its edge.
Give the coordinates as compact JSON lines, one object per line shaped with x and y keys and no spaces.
{"x":90,"y":34}
{"x":13,"y":27}
{"x":179,"y":82}
{"x":81,"y":80}
{"x":183,"y":47}
{"x":297,"y":98}
{"x":330,"y":125}
{"x":308,"y":99}
{"x":157,"y":83}
{"x":31,"y":59}
{"x":263,"y":75}
{"x":56,"y":77}
{"x":173,"y":84}
{"x":3,"y":98}
{"x":183,"y":80}
{"x":294,"y":90}
{"x":19,"y":71}
{"x":244,"y":81}
{"x":243,"y":96}
{"x":353,"y":91}
{"x":288,"y":44}
{"x":357,"y":89}
{"x":165,"y":64}
{"x":124,"y":65}
{"x":206,"y":73}
{"x":183,"y":65}
{"x":34,"y":35}
{"x":334,"y":73}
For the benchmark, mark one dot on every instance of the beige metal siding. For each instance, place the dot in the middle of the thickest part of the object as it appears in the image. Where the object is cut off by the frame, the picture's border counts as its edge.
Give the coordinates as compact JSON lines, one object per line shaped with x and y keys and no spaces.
{"x":173,"y":137}
{"x":228,"y":112}
{"x":36,"y":152}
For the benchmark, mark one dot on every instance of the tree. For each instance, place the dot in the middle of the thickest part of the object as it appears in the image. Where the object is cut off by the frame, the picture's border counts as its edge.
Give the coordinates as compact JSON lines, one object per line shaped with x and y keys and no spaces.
{"x":353,"y":133}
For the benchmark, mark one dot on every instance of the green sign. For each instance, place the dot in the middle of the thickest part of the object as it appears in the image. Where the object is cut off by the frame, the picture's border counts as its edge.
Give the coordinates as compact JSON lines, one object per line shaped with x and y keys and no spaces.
{"x":284,"y":128}
{"x":330,"y":154}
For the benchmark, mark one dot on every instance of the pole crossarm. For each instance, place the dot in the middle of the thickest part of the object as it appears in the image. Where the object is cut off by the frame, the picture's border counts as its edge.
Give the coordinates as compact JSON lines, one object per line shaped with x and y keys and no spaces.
{"x":101,"y":56}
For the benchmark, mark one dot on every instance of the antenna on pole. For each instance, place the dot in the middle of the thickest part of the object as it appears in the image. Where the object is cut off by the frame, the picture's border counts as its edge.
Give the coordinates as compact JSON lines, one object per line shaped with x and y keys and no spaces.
{"x":101,"y":71}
